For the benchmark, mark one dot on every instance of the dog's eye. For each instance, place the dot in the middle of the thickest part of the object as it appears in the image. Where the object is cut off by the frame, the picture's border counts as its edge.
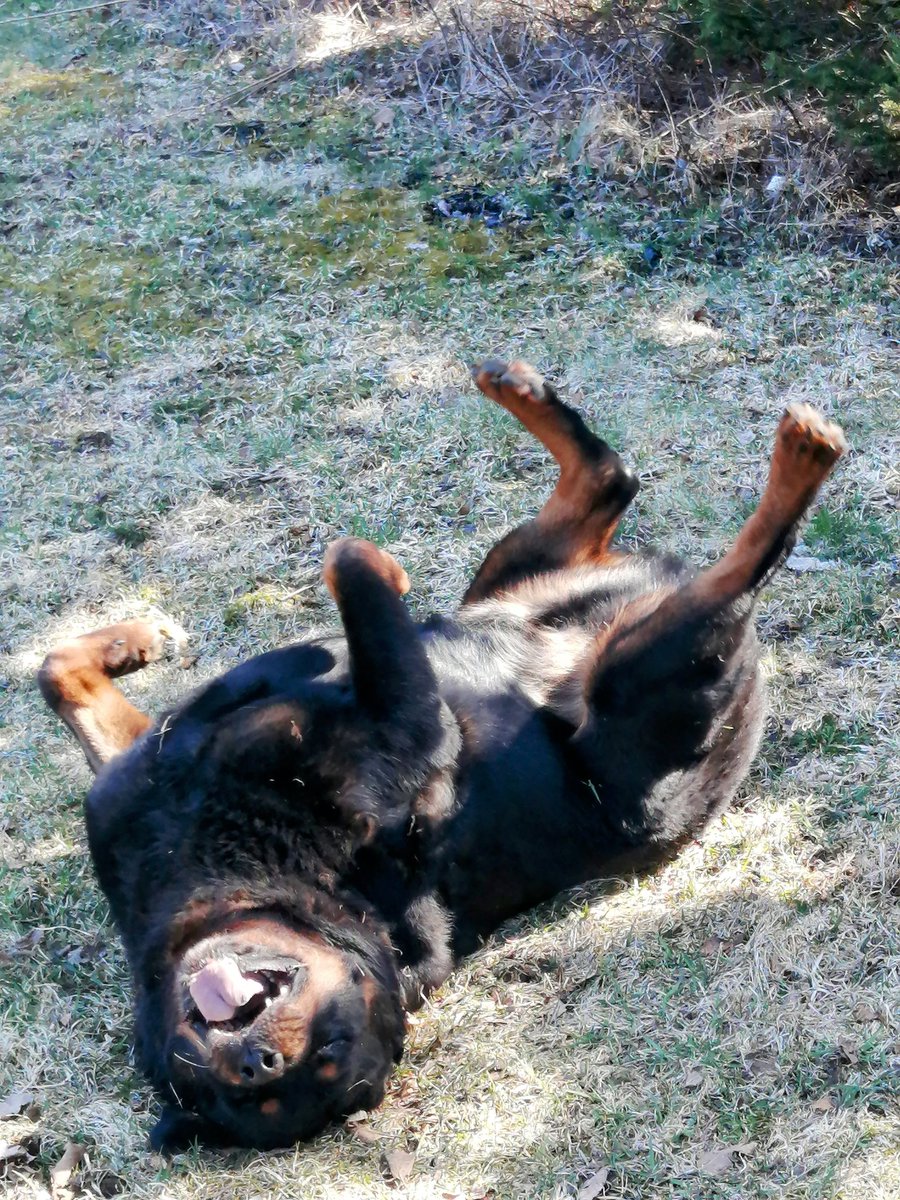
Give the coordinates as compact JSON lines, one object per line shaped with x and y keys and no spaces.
{"x":332,"y":1050}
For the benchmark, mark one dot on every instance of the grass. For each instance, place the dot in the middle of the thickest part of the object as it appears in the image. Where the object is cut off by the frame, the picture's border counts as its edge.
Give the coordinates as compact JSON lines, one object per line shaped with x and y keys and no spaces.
{"x":224,"y":348}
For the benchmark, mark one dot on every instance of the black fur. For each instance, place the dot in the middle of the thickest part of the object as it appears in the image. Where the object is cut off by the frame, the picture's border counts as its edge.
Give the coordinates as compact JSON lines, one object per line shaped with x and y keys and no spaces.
{"x":399,"y":800}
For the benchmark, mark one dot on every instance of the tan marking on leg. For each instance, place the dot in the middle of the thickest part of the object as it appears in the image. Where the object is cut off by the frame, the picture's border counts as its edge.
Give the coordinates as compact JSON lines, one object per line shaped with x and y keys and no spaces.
{"x":379,"y":561}
{"x":806,"y":448}
{"x":75,"y":680}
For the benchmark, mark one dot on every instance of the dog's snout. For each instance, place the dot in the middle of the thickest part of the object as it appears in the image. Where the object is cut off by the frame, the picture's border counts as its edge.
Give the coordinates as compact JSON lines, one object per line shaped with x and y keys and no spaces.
{"x":260,"y":1065}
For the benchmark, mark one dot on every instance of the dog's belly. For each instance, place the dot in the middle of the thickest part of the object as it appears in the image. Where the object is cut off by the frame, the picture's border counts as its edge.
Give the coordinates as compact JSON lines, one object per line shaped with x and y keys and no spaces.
{"x":533,"y":814}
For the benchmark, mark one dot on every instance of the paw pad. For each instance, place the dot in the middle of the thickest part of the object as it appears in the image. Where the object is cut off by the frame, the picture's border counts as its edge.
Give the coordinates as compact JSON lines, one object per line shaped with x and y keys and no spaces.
{"x":804,"y":431}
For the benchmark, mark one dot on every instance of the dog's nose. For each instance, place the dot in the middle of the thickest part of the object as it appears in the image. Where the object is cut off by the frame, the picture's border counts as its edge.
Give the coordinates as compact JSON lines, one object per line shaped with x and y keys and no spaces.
{"x":259,"y":1065}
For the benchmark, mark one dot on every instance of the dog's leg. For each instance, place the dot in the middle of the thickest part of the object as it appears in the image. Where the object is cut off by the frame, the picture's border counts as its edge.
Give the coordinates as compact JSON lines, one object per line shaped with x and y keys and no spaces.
{"x":806,"y":448}
{"x":577,"y":523}
{"x":392,"y":676}
{"x":672,"y":668}
{"x":75,"y":680}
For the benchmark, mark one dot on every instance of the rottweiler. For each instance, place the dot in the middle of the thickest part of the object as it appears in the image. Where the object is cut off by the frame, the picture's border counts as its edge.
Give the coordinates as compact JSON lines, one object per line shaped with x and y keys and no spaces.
{"x":301,"y":851}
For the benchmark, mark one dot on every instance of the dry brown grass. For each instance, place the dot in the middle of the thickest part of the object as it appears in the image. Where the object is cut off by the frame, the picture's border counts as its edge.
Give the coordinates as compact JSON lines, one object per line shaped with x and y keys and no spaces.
{"x":262,"y":398}
{"x":594,"y":84}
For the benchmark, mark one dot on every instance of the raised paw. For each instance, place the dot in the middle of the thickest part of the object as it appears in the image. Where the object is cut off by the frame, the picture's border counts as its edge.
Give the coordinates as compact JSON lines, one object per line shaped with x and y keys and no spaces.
{"x":130,"y":645}
{"x":344,"y":554}
{"x":805,"y":436}
{"x":71,"y":670}
{"x":806,"y":448}
{"x":510,"y":384}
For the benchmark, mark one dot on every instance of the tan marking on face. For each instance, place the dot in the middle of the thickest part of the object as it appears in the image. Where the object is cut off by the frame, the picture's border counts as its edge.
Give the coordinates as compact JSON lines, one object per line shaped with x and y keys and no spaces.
{"x":269,"y":1108}
{"x":327,"y":972}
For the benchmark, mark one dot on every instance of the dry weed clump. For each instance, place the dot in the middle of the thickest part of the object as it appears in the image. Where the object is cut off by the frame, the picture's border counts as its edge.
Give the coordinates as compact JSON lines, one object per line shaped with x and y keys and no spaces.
{"x":596,"y":86}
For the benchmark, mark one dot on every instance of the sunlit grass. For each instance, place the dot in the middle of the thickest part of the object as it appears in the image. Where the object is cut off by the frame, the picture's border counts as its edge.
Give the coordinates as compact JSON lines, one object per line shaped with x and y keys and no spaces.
{"x":222,"y":351}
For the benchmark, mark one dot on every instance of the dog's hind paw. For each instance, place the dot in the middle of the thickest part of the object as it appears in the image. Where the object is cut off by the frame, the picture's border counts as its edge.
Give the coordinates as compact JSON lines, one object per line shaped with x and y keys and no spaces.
{"x":509,"y":383}
{"x":805,"y":436}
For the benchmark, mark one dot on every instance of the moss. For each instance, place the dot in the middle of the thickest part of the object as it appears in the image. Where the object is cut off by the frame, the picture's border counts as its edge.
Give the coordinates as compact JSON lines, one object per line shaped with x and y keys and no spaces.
{"x":237,"y":611}
{"x":380,"y":233}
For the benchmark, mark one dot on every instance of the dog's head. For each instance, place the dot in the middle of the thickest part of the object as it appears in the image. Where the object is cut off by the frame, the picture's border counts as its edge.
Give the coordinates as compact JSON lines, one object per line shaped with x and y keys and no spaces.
{"x":273,"y":1034}
{"x":279,"y":1010}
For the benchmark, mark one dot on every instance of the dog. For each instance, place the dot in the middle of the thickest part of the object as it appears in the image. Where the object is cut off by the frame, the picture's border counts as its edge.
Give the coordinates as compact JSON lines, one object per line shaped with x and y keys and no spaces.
{"x":301,"y":851}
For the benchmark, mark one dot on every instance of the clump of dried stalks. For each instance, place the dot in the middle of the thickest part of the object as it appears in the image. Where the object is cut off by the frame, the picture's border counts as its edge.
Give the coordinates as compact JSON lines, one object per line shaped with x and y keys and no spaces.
{"x":599,"y":84}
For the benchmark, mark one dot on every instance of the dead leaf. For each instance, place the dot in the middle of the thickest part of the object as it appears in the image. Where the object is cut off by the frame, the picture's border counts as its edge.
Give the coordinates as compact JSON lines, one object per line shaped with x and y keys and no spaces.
{"x":761,"y":1065}
{"x":365,"y":1133}
{"x":12,"y":1105}
{"x":10,"y":1151}
{"x":718,"y":1161}
{"x":383,"y":117}
{"x":849,"y":1051}
{"x":109,"y":1185}
{"x":865,"y":1012}
{"x":93,"y":439}
{"x":22,"y":946}
{"x":694,"y":1078}
{"x":714,"y":943}
{"x":400,"y":1164}
{"x":714,"y":1162}
{"x":62,"y":1172}
{"x":825,"y":1104}
{"x":594,"y":1186}
{"x":61,"y":1016}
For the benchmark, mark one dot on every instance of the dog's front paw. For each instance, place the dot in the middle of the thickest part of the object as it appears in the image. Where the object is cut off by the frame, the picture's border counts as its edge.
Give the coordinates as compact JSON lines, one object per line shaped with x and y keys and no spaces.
{"x":347,"y":552}
{"x":130,"y":645}
{"x":806,"y":438}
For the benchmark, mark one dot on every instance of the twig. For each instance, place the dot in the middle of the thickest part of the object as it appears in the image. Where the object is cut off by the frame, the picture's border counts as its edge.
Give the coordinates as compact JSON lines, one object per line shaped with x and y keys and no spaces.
{"x":60,"y":12}
{"x":258,"y":85}
{"x":782,"y":99}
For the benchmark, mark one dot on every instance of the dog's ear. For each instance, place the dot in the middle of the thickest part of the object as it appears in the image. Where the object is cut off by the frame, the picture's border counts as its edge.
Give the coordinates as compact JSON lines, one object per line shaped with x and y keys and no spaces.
{"x":178,"y":1130}
{"x":392,"y":677}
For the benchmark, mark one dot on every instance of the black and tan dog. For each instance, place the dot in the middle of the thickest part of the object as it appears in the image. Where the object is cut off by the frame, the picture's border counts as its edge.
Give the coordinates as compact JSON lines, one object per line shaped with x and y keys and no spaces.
{"x":304,"y":848}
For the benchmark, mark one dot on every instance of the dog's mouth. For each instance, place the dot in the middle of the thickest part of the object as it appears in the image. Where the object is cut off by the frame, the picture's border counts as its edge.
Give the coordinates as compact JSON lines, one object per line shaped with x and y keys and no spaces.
{"x":228,"y":993}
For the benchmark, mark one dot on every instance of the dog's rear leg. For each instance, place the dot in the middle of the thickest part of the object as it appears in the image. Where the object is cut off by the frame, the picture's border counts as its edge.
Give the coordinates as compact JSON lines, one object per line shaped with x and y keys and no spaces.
{"x":670,"y":675}
{"x":75,"y":680}
{"x":577,"y":523}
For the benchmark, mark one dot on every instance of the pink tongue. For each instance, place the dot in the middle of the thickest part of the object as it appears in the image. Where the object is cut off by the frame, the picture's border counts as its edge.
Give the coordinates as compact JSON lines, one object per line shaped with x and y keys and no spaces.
{"x":220,"y":989}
